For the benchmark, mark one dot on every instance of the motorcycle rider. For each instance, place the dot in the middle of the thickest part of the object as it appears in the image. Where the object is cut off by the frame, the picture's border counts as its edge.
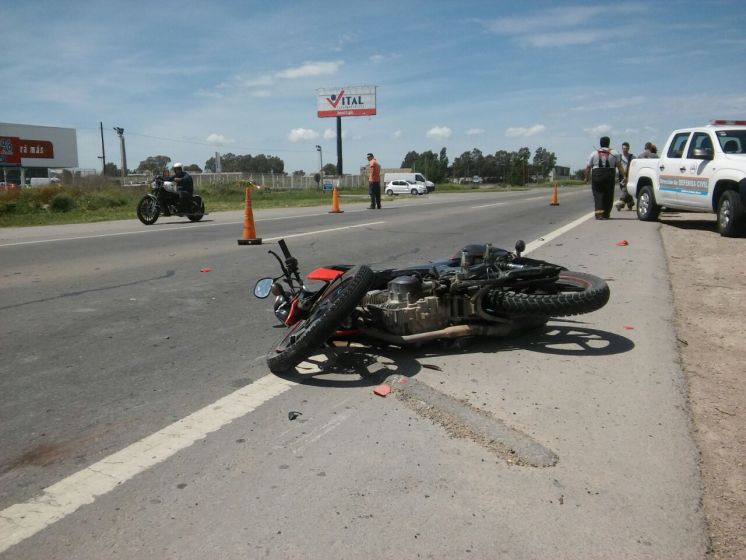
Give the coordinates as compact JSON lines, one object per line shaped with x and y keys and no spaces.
{"x":184,"y":186}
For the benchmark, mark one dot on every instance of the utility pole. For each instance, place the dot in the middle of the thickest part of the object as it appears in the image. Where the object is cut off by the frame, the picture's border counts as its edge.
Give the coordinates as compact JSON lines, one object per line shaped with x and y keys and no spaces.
{"x":103,"y":150}
{"x":120,"y":133}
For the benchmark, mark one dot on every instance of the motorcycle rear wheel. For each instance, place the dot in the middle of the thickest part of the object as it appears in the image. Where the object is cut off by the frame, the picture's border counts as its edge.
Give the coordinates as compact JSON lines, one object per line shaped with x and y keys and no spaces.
{"x":148,"y":210}
{"x":332,"y":307}
{"x":574,"y":293}
{"x":198,"y":210}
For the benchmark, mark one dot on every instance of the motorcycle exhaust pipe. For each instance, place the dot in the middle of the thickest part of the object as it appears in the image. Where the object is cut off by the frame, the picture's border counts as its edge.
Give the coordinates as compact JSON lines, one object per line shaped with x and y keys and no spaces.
{"x":455,"y":331}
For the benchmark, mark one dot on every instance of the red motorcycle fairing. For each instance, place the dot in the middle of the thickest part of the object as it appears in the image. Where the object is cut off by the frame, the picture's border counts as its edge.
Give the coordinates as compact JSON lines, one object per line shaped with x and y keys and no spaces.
{"x":324,"y":274}
{"x":293,"y":315}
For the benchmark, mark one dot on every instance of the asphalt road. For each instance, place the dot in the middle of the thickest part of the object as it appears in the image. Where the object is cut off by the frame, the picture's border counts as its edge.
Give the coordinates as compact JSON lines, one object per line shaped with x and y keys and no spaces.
{"x":138,"y":419}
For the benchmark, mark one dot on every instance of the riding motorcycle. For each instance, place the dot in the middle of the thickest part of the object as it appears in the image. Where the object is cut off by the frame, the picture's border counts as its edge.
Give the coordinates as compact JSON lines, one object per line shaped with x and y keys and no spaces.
{"x":480,"y":291}
{"x":163,"y":200}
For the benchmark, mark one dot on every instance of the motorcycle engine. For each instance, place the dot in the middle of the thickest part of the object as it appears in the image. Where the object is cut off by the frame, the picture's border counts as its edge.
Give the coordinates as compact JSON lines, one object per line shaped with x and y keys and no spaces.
{"x":407,"y":307}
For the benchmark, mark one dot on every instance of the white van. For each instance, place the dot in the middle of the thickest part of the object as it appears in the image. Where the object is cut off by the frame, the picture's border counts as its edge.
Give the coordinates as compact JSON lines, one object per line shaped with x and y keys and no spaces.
{"x":43,"y":181}
{"x":416,"y":178}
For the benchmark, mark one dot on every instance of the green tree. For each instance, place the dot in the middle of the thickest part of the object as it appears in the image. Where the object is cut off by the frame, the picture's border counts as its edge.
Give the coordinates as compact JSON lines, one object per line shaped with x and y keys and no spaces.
{"x":544,"y":162}
{"x":329,"y":169}
{"x":111,"y":170}
{"x":410,"y":160}
{"x":463,"y":165}
{"x":231,"y":163}
{"x":299,"y":173}
{"x":154,"y":164}
{"x":433,"y":166}
{"x":194,"y":168}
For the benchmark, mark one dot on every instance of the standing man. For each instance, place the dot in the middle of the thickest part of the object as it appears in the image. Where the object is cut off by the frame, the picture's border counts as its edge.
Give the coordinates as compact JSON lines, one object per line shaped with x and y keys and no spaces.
{"x":601,"y":167}
{"x":374,"y":182}
{"x":625,"y":197}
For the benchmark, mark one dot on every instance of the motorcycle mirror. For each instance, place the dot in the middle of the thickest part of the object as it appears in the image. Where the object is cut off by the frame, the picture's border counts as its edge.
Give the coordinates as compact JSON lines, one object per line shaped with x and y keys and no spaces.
{"x":263,"y":287}
{"x":520,"y":246}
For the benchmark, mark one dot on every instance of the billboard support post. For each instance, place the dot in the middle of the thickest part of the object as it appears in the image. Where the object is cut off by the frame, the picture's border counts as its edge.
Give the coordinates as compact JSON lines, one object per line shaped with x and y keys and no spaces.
{"x":339,"y":146}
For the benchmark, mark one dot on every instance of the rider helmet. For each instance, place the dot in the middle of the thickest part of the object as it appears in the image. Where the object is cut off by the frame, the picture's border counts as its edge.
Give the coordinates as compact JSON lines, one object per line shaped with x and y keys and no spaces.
{"x":178,"y":165}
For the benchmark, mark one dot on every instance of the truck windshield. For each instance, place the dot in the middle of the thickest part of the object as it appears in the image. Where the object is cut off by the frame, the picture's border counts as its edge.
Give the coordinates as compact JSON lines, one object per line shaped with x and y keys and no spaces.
{"x":732,"y":141}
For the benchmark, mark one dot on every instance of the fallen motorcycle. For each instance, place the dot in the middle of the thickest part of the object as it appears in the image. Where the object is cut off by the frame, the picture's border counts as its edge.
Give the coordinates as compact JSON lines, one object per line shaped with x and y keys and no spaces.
{"x":162,"y":200}
{"x":480,"y":291}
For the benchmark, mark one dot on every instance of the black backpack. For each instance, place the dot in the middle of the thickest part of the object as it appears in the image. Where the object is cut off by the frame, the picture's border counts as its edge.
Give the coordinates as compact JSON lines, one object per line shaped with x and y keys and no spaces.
{"x":604,"y":173}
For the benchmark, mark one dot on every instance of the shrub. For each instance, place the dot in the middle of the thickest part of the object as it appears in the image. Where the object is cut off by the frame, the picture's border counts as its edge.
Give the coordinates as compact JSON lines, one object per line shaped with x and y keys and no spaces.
{"x":104,"y":199}
{"x":62,"y":202}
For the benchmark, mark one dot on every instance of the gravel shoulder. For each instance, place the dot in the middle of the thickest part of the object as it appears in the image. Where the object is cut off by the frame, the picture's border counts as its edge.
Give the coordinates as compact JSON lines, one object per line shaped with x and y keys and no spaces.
{"x":707,"y":276}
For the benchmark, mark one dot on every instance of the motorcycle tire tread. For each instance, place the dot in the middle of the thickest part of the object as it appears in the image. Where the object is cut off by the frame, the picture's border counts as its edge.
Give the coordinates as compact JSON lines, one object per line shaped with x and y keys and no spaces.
{"x":144,"y":217}
{"x":357,"y":281}
{"x":594,"y":295}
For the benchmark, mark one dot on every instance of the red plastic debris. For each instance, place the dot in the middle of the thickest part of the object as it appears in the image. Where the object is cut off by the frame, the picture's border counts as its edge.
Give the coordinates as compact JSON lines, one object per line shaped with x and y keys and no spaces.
{"x":205,"y":270}
{"x":622,"y":243}
{"x":628,"y":328}
{"x":382,"y":390}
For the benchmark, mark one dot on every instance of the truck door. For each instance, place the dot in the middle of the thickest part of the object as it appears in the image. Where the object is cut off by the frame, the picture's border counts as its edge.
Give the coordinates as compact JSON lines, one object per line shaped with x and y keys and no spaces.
{"x":696,"y":182}
{"x":672,"y":170}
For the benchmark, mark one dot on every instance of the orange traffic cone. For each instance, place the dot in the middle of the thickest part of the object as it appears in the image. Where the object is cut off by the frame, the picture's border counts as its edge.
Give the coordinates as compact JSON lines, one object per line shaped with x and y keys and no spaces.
{"x":554,"y":202}
{"x":335,"y":202}
{"x":249,"y":232}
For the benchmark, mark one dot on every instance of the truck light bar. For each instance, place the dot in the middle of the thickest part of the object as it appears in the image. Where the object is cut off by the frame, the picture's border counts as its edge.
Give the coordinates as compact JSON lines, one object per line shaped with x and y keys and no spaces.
{"x":727,"y":122}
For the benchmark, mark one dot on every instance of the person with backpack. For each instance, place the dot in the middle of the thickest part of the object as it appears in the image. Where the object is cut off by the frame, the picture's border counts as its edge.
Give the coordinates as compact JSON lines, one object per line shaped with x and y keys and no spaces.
{"x":601,"y":171}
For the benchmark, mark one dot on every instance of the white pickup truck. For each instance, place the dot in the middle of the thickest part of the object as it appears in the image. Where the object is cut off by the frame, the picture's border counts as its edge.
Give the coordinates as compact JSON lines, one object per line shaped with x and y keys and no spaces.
{"x":701,"y":169}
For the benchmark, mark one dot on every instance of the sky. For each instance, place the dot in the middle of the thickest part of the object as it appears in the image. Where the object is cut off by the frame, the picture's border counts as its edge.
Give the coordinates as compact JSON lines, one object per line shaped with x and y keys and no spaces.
{"x":188,"y":79}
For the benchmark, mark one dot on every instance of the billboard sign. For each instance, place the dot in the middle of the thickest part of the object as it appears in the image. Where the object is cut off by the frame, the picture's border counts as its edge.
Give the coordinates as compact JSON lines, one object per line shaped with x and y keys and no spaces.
{"x":351,"y":101}
{"x":23,"y":145}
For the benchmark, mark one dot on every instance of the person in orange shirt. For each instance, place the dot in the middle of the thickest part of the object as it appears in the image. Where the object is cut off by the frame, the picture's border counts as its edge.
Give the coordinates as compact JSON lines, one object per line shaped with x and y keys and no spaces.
{"x":374,"y":182}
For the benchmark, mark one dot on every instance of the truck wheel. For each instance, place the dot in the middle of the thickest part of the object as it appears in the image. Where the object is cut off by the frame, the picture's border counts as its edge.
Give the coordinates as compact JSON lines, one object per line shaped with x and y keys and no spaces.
{"x":647,"y":209}
{"x":730,"y":214}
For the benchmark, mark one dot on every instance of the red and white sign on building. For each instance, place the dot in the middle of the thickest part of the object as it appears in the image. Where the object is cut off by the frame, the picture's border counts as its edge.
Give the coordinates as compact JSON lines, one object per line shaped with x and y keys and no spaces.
{"x":24,"y":145}
{"x":351,"y":101}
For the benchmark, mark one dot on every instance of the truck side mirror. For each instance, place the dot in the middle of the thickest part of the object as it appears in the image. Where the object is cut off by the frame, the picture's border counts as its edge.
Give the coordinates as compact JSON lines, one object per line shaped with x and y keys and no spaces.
{"x":702,"y":153}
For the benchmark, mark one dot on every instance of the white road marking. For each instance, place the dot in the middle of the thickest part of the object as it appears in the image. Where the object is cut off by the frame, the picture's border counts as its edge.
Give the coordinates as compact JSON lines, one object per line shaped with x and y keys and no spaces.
{"x":556,"y":233}
{"x":163,"y":230}
{"x":489,"y":205}
{"x":21,"y":521}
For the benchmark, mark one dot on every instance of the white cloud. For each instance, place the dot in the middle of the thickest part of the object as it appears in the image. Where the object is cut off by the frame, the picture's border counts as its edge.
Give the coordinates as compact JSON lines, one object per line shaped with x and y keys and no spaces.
{"x":299,"y":134}
{"x":219,"y":140}
{"x":600,"y":129}
{"x":525,"y":132}
{"x":439,"y":133}
{"x":576,"y":23}
{"x":331,"y":134}
{"x":397,"y":134}
{"x":311,"y":69}
{"x":475,"y":131}
{"x":377,"y":58}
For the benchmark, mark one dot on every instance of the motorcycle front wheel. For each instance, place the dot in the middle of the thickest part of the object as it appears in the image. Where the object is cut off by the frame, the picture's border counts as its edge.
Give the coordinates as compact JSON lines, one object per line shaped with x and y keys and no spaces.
{"x":332,"y":307}
{"x":573,"y":293}
{"x":148,"y":210}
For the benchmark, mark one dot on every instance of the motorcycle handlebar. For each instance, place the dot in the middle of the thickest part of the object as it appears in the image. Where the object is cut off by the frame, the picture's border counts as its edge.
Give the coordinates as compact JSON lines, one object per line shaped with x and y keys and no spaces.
{"x":285,"y":250}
